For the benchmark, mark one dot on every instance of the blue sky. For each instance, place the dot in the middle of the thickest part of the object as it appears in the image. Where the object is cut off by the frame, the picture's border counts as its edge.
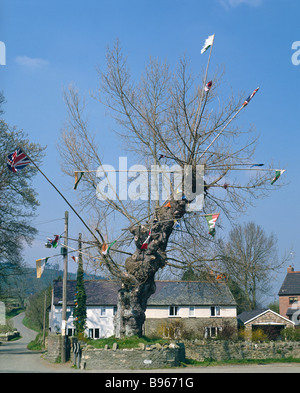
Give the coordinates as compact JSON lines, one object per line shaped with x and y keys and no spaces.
{"x":50,"y":44}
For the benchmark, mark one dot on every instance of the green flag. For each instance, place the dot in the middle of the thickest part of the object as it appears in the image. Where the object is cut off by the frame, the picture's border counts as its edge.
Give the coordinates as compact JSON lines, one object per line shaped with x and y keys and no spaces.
{"x":211,"y":221}
{"x":106,"y":247}
{"x":278,"y":173}
{"x":77,"y":178}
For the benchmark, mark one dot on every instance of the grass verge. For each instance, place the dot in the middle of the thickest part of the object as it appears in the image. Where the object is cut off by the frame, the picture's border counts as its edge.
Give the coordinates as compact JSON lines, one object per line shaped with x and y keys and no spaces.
{"x":128,"y":342}
{"x":209,"y":362}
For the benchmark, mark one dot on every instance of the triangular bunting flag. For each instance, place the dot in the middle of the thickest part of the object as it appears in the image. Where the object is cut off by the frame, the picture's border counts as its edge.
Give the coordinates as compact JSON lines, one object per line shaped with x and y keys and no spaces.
{"x":211,"y":221}
{"x":208,"y":43}
{"x":78,"y":176}
{"x":52,"y":242}
{"x":146,"y":242}
{"x":208,"y":86}
{"x":40,"y":266}
{"x":106,"y":248}
{"x":278,"y":173}
{"x":176,"y":224}
{"x":256,"y":165}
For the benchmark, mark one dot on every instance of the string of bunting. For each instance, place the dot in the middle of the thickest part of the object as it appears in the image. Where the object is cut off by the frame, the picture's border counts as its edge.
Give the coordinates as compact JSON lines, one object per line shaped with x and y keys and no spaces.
{"x":19,"y":159}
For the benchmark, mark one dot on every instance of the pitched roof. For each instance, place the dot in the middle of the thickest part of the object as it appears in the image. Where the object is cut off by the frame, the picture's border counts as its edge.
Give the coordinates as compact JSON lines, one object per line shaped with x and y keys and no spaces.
{"x":290,"y":285}
{"x":290,"y":311}
{"x":105,"y":292}
{"x":246,"y":316}
{"x":191,"y":293}
{"x":98,"y":292}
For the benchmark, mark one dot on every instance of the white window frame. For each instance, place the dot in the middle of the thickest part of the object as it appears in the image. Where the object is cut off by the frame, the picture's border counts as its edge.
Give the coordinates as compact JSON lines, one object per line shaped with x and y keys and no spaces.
{"x":191,"y":311}
{"x":175,"y":312}
{"x":212,"y":331}
{"x":92,"y":333}
{"x":215,"y":311}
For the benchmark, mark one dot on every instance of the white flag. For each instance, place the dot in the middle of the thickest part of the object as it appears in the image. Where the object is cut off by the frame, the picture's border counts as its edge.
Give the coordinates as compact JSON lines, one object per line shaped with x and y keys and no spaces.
{"x":208,"y":42}
{"x":40,"y":266}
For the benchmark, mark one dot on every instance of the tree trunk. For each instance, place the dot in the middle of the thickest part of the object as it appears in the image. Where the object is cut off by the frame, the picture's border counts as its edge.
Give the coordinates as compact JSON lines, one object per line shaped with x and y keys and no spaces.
{"x":141,"y":268}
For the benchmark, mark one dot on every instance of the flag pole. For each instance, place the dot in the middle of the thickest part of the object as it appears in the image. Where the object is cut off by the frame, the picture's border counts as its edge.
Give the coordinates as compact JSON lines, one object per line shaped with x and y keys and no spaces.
{"x":230,"y":120}
{"x":205,"y":78}
{"x":217,"y":136}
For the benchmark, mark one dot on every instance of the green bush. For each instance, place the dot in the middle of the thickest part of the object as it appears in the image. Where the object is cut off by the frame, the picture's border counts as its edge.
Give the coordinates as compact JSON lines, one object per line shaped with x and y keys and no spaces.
{"x":37,"y":343}
{"x":291,"y":334}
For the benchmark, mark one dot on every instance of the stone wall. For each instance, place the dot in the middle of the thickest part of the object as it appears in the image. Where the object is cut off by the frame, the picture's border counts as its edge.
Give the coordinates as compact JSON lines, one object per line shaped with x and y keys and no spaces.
{"x":144,"y":357}
{"x":53,"y":345}
{"x":158,"y":327}
{"x":226,"y":350}
{"x":158,"y":356}
{"x":9,"y":336}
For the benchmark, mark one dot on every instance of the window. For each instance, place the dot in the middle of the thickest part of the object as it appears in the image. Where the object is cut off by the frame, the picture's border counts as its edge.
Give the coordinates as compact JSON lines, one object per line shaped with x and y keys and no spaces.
{"x":191,"y":311}
{"x":173,"y":311}
{"x":293,"y":299}
{"x":94,"y":333}
{"x":71,"y":332}
{"x":115,"y":310}
{"x":212,"y":331}
{"x":102,"y":311}
{"x":215,"y":311}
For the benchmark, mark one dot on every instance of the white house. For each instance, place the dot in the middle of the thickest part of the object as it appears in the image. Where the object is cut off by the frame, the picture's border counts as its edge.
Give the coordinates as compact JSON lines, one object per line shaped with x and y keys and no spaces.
{"x":201,"y":306}
{"x":101,"y":301}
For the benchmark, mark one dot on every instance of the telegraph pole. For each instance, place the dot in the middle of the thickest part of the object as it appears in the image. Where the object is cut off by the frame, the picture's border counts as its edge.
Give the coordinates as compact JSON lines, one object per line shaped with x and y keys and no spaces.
{"x":64,"y":303}
{"x":44,"y":320}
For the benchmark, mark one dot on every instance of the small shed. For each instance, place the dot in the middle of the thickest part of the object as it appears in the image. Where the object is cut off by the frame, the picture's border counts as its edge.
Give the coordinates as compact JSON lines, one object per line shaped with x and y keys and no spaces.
{"x":267,"y":320}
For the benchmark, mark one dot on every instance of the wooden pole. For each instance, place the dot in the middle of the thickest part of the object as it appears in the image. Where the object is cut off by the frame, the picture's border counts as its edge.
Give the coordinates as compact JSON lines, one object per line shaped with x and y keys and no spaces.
{"x":44,"y":321}
{"x":64,"y":303}
{"x":217,"y":136}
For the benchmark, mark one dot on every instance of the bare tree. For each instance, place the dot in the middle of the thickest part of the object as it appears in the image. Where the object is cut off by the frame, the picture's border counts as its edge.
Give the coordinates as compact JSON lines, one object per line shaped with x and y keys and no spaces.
{"x":250,"y":259}
{"x":164,"y":118}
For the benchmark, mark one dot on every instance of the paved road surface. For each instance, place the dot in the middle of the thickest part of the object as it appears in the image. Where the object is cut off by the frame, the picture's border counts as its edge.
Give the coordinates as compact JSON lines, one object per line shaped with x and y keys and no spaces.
{"x":16,"y":358}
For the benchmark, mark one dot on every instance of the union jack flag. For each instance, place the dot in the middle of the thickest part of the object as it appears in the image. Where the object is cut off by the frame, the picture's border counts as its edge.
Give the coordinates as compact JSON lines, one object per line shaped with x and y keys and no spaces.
{"x":17,"y":160}
{"x":246,"y":102}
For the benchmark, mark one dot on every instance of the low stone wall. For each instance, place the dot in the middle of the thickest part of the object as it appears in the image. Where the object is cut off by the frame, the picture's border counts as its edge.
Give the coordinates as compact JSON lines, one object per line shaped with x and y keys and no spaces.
{"x":144,"y":357}
{"x":9,"y":336}
{"x":53,"y":345}
{"x":158,"y":356}
{"x":226,"y":350}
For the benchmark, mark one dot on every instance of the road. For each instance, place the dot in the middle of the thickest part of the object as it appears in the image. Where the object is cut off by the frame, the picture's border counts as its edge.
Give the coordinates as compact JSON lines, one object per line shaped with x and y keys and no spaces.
{"x":16,"y":358}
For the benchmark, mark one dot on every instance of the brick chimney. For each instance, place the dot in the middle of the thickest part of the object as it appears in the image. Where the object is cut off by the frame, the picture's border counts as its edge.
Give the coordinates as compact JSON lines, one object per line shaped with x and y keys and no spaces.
{"x":290,"y":269}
